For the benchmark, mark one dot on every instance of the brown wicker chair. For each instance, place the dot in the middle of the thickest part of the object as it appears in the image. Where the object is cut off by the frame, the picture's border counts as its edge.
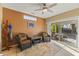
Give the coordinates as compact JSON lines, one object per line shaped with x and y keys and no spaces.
{"x":45,"y":37}
{"x":23,"y":41}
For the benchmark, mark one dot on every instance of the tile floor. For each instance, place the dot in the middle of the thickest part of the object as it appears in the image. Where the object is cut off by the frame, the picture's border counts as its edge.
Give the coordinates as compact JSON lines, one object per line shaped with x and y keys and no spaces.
{"x":41,"y":49}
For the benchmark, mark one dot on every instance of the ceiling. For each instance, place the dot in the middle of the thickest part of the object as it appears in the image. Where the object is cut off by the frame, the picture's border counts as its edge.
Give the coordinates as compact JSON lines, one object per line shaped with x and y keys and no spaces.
{"x":30,"y":7}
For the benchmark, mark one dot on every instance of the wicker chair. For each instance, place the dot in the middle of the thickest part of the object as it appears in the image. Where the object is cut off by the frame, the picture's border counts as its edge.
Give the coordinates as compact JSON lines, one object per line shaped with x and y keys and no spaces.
{"x":45,"y":37}
{"x":23,"y":41}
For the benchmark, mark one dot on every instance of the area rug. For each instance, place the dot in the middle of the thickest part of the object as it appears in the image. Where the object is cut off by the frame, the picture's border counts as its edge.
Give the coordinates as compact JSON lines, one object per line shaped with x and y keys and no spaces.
{"x":41,"y":49}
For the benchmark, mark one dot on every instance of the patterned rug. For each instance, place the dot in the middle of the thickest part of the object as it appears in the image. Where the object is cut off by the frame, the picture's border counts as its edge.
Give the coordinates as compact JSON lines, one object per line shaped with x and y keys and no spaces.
{"x":41,"y":49}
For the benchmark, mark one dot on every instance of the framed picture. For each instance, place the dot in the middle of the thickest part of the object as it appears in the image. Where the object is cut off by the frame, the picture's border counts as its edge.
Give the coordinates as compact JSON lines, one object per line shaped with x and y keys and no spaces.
{"x":31,"y":24}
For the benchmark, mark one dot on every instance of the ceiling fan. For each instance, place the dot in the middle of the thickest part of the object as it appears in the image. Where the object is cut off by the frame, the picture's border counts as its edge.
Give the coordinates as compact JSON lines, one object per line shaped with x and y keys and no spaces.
{"x":44,"y":8}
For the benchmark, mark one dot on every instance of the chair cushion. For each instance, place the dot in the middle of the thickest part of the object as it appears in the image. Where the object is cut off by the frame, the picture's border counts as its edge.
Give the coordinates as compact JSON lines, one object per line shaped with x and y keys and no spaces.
{"x":25,"y":41}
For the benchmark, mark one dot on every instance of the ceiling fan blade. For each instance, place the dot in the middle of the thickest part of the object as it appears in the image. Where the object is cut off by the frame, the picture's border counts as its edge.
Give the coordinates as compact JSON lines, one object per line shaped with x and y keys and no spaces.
{"x":50,"y":10}
{"x":38,"y":9}
{"x":52,"y":5}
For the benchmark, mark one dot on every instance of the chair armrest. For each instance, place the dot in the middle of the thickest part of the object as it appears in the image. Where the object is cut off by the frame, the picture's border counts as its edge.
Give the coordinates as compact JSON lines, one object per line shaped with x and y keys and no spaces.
{"x":48,"y":35}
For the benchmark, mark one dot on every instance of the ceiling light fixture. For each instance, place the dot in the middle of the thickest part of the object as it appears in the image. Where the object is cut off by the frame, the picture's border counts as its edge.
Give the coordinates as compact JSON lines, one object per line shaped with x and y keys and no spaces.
{"x":44,"y":10}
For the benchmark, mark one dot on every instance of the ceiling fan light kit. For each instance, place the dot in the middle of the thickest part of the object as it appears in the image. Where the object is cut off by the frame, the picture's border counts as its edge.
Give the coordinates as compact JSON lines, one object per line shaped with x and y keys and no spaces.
{"x":46,"y":8}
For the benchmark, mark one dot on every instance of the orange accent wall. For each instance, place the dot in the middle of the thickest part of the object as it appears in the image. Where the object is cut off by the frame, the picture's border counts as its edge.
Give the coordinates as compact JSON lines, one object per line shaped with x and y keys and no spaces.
{"x":20,"y":25}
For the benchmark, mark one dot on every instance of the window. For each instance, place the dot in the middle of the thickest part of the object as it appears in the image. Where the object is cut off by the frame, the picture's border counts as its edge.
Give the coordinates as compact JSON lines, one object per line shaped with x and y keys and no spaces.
{"x":29,"y":18}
